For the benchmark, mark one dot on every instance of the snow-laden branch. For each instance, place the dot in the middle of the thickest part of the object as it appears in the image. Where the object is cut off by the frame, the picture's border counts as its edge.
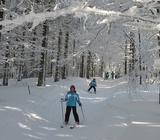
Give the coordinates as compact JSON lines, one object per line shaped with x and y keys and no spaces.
{"x":79,"y":11}
{"x":153,"y":26}
{"x":36,"y":18}
{"x":20,"y":2}
{"x":119,"y":14}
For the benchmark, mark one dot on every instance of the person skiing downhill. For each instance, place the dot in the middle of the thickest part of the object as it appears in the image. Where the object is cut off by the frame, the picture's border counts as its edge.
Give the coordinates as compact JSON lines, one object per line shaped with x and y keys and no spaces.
{"x":106,"y":75}
{"x":72,"y":98}
{"x":93,"y":85}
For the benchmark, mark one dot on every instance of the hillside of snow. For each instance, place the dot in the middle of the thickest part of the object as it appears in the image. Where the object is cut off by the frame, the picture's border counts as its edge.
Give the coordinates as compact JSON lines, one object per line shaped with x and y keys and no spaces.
{"x":109,"y":114}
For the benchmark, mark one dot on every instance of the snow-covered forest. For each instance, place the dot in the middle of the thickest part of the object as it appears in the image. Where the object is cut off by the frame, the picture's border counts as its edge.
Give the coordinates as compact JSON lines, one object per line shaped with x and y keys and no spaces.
{"x":48,"y":45}
{"x":81,"y":38}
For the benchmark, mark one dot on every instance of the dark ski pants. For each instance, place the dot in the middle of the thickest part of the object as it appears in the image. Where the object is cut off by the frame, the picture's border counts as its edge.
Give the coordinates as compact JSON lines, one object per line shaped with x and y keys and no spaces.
{"x":75,"y":114}
{"x":93,"y":88}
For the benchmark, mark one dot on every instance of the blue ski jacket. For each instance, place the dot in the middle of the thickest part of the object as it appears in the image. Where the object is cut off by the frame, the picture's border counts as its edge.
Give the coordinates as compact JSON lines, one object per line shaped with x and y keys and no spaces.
{"x":72,"y":98}
{"x":93,"y":83}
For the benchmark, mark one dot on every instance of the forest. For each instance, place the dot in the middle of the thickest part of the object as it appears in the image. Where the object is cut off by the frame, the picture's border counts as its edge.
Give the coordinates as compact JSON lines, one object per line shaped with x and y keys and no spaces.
{"x":79,"y":38}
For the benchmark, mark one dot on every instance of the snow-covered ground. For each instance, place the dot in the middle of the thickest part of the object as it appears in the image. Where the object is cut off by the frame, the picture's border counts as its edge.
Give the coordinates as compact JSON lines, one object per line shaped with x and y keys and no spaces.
{"x":109,"y":114}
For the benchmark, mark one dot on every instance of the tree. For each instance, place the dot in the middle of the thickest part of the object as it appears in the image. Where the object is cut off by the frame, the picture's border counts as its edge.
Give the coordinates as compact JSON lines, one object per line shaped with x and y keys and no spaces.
{"x":57,"y":72}
{"x":6,"y":56}
{"x":82,"y":66}
{"x":95,"y":30}
{"x":43,"y":61}
{"x":88,"y":65}
{"x":126,"y":59}
{"x":65,"y":54}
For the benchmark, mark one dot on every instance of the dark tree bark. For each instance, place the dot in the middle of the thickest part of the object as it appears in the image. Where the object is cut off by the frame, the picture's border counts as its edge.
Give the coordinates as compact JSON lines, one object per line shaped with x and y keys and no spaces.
{"x":140,"y":58}
{"x":6,"y":68}
{"x":6,"y":64}
{"x":19,"y":78}
{"x":42,"y":72}
{"x":159,"y":69}
{"x":75,"y":65}
{"x":88,"y":65}
{"x":158,"y":12}
{"x":65,"y":55}
{"x":57,"y":72}
{"x":92,"y":72}
{"x":125,"y":61}
{"x":132,"y":53}
{"x":82,"y":67}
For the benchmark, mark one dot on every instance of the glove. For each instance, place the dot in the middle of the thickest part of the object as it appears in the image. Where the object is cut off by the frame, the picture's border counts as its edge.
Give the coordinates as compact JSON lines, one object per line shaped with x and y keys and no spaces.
{"x":80,"y":104}
{"x":62,"y":100}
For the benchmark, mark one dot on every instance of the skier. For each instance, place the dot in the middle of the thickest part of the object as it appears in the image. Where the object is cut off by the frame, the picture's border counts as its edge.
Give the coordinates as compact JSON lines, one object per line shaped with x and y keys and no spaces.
{"x":93,"y":85}
{"x":107,"y":75}
{"x":71,"y":98}
{"x":112,"y":75}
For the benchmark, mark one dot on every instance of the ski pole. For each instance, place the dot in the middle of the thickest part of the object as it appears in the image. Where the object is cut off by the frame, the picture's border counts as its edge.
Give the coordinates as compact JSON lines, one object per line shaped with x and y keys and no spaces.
{"x":62,"y":111}
{"x":82,"y":112}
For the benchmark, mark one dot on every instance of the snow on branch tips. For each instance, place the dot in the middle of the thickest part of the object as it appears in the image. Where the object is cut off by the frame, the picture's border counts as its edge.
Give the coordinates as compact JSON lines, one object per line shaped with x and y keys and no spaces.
{"x":78,"y":10}
{"x":37,"y":18}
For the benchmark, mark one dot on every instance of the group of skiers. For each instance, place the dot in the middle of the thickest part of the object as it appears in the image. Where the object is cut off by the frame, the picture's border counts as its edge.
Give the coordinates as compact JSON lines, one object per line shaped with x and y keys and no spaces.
{"x":107,"y":74}
{"x":72,"y":98}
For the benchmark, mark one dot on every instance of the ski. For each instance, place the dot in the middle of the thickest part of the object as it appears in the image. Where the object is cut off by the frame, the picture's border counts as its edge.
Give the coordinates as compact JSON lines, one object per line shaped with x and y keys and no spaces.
{"x":72,"y":127}
{"x":64,"y":125}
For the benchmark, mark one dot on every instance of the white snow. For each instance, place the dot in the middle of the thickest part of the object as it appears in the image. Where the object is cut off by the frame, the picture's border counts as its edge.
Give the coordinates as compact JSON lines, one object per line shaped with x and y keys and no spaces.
{"x":79,"y":9}
{"x":109,"y":114}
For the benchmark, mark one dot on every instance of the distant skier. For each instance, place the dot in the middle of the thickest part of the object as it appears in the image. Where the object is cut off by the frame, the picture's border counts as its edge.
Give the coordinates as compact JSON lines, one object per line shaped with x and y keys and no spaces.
{"x":107,"y":75}
{"x":72,"y":98}
{"x":93,"y":85}
{"x":112,"y":74}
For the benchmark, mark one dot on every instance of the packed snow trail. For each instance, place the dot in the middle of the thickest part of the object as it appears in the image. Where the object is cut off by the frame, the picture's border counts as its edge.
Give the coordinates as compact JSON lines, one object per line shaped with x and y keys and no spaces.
{"x":109,"y":114}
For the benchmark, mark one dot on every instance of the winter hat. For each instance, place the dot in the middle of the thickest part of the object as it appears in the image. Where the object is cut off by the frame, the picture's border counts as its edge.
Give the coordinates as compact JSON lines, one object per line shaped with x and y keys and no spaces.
{"x":94,"y":79}
{"x":72,"y":86}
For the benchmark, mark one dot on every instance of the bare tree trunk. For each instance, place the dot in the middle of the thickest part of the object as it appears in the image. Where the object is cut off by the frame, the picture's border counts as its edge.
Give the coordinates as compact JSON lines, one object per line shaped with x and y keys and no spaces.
{"x":40,"y":75}
{"x":88,"y":65}
{"x":140,"y":58}
{"x":57,"y":72}
{"x":82,"y":67}
{"x":126,"y":55}
{"x":159,"y":68}
{"x":19,"y":78}
{"x":92,"y":72}
{"x":32,"y":55}
{"x":74,"y":70}
{"x":132,"y":53}
{"x":102,"y":67}
{"x":65,"y":55}
{"x":42,"y":72}
{"x":6,"y":64}
{"x":6,"y":68}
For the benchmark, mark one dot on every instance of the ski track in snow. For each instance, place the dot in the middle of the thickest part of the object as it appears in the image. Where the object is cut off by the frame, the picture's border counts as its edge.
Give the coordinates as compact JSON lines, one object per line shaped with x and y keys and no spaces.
{"x":109,"y":114}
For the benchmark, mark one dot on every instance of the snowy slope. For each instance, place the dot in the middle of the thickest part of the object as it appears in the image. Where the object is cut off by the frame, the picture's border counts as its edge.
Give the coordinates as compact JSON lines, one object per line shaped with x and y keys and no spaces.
{"x":109,"y":114}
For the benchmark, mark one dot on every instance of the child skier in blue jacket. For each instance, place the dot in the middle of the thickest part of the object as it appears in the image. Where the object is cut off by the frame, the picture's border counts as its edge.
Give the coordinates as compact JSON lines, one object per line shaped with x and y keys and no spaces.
{"x":72,"y":98}
{"x":93,"y":85}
